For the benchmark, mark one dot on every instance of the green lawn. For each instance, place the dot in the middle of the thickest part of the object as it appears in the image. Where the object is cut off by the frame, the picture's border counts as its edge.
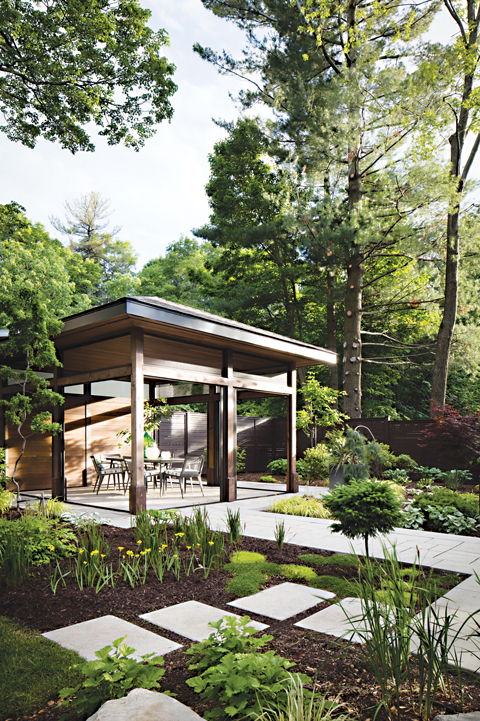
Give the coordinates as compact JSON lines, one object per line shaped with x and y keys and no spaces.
{"x":34,"y":669}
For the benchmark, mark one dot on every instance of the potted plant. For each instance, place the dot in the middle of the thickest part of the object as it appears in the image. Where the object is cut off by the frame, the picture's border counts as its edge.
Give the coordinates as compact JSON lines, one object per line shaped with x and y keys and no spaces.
{"x":341,"y":456}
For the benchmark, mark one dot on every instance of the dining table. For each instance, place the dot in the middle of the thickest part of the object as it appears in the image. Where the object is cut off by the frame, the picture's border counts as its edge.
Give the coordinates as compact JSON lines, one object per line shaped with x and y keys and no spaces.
{"x":161,"y":463}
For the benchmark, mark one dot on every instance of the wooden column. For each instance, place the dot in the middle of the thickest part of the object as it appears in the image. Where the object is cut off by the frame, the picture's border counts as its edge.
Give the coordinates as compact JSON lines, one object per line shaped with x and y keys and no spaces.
{"x":2,"y":418}
{"x":211,"y":436}
{"x":292,"y":475}
{"x":58,"y":447}
{"x":87,"y":394}
{"x":228,"y":431}
{"x":138,"y":490}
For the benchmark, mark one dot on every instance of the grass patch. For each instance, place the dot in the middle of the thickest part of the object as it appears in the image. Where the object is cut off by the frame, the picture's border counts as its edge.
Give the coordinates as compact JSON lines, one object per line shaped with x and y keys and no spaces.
{"x":251,"y":570}
{"x":293,"y":572}
{"x":347,"y":560}
{"x":34,"y":669}
{"x":306,"y":505}
{"x":339,"y":586}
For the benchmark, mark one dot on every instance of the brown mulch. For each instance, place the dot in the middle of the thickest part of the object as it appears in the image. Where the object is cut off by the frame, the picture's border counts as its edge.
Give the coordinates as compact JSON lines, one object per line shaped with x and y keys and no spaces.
{"x":339,"y":669}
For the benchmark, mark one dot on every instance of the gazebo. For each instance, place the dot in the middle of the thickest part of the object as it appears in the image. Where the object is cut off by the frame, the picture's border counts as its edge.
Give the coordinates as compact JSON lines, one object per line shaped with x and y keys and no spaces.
{"x":150,"y":341}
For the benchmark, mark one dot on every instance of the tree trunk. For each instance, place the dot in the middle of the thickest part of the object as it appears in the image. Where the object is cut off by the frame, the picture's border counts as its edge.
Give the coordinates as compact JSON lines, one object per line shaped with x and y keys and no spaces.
{"x":331,"y":326}
{"x":352,"y":346}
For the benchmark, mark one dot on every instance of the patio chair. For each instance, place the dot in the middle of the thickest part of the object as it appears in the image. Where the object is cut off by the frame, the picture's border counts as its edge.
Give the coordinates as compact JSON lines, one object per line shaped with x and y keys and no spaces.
{"x":148,"y":474}
{"x":192,"y":468}
{"x":115,"y":473}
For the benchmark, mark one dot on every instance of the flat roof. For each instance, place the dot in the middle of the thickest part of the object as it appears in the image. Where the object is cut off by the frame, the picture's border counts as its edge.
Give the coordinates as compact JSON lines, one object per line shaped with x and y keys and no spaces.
{"x":167,"y":313}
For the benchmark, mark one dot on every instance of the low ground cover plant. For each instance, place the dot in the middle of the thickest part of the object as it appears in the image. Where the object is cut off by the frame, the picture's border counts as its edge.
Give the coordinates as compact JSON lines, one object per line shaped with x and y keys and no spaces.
{"x":34,"y":669}
{"x":442,"y":509}
{"x":305,"y":505}
{"x":234,"y":672}
{"x":112,"y":676}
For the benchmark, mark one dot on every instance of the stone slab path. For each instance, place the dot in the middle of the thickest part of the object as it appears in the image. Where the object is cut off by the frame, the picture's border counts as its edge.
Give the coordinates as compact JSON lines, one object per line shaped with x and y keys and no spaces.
{"x":91,"y":636}
{"x":191,"y":619}
{"x":334,"y":620}
{"x":282,"y":601}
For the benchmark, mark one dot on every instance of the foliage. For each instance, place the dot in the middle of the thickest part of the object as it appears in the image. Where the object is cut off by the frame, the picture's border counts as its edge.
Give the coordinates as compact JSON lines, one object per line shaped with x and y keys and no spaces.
{"x":294,"y":572}
{"x":268,"y":479}
{"x":241,"y":459}
{"x":153,"y":414}
{"x":412,"y":517}
{"x":3,"y":470}
{"x":456,"y":479}
{"x":466,"y":503}
{"x":231,"y":635}
{"x":341,"y":587}
{"x":234,"y":525}
{"x":397,"y":475}
{"x":7,"y":500}
{"x":108,"y":70}
{"x":306,"y":505}
{"x":319,"y":406}
{"x":403,"y":461}
{"x":240,"y":679}
{"x":363,"y":508}
{"x":50,"y":508}
{"x":316,"y":462}
{"x":397,"y":619}
{"x":280,"y":533}
{"x":430,"y":474}
{"x":43,"y":539}
{"x":113,"y":676}
{"x":15,"y":560}
{"x":449,"y":520}
{"x":302,"y":707}
{"x":338,"y":559}
{"x":379,"y":458}
{"x":349,"y":451}
{"x":33,"y":669}
{"x":278,"y":467}
{"x":455,"y":437}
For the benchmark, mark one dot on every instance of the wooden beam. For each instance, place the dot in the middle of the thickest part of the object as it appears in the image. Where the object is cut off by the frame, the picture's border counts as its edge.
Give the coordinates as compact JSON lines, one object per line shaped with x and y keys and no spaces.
{"x":292,"y":475}
{"x":212,"y":397}
{"x":165,"y":372}
{"x":58,"y":446}
{"x":88,"y":423}
{"x":137,"y":491}
{"x":100,"y":375}
{"x":228,"y":429}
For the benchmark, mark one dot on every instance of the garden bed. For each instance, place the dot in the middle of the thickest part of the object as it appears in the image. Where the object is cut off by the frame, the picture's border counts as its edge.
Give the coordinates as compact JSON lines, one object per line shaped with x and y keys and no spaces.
{"x":339,"y":669}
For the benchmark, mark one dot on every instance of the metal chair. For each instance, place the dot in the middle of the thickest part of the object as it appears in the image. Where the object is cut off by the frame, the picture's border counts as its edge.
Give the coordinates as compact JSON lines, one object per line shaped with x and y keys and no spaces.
{"x":115,"y":473}
{"x":191,"y":468}
{"x":153,"y":474}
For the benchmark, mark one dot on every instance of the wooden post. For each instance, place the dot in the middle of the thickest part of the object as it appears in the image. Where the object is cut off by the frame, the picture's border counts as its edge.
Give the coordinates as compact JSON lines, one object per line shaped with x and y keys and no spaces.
{"x":58,"y":459}
{"x":292,"y":475}
{"x":228,"y":431}
{"x":2,"y":419}
{"x":211,"y":436}
{"x":87,"y":395}
{"x":138,"y":490}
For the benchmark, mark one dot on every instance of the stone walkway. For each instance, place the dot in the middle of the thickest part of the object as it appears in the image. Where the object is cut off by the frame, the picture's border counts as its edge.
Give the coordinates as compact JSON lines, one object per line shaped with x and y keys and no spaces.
{"x":458,"y":554}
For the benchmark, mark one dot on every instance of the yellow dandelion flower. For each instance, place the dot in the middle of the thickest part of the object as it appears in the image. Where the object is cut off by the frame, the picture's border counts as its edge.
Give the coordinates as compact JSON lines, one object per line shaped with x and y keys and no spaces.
{"x":81,"y":550}
{"x":147,"y":550}
{"x":120,"y":548}
{"x":137,"y":556}
{"x":51,"y":548}
{"x":164,"y":545}
{"x":210,"y":543}
{"x":103,"y":555}
{"x":142,"y":553}
{"x":129,"y":553}
{"x":189,"y":547}
{"x":85,"y":563}
{"x":179,"y":534}
{"x":175,"y":555}
{"x":93,"y":553}
{"x":138,"y":541}
{"x":123,"y":556}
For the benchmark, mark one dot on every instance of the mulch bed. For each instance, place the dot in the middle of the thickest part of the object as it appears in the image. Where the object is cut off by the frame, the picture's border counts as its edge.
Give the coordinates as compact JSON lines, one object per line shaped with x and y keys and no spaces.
{"x":339,"y":670}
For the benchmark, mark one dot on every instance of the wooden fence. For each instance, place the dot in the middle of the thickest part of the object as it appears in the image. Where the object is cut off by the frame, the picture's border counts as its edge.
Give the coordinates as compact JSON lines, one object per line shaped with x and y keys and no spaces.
{"x":265,"y":439}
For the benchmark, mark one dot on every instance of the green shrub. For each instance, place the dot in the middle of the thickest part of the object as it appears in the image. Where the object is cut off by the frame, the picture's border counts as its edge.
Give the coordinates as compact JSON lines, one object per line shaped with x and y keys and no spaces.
{"x":278,"y":467}
{"x":240,"y":680}
{"x":456,"y":479}
{"x":316,"y":462}
{"x":429,"y":474}
{"x":300,"y":506}
{"x":4,"y":479}
{"x":230,"y":635}
{"x":364,"y":508}
{"x":466,"y":503}
{"x":397,"y":475}
{"x":292,"y":572}
{"x":412,"y":517}
{"x":449,"y":520}
{"x":379,"y":458}
{"x":339,"y":586}
{"x":112,"y":676}
{"x":241,"y":459}
{"x":7,"y":500}
{"x":246,"y":557}
{"x":336,"y":559}
{"x":268,"y":479}
{"x":405,"y":462}
{"x":44,"y":539}
{"x":51,"y":508}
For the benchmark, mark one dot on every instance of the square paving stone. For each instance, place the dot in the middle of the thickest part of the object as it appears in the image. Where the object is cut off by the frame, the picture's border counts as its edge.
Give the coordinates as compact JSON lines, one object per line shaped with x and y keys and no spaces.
{"x":191,"y":619}
{"x":333,"y":620}
{"x":91,"y":636}
{"x":282,"y":601}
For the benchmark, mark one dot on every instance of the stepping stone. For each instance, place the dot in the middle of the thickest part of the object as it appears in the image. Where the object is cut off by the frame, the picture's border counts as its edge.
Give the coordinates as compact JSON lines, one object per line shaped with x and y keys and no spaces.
{"x":333,"y":620}
{"x":191,"y":619}
{"x":282,"y":601}
{"x":91,"y":636}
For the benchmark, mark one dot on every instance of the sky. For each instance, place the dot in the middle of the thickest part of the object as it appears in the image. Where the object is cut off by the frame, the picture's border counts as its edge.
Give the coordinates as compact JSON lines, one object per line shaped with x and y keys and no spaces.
{"x":157,"y":194}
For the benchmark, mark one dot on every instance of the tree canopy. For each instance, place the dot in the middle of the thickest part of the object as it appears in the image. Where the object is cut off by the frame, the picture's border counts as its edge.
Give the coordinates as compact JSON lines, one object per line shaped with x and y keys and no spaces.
{"x":65,"y":63}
